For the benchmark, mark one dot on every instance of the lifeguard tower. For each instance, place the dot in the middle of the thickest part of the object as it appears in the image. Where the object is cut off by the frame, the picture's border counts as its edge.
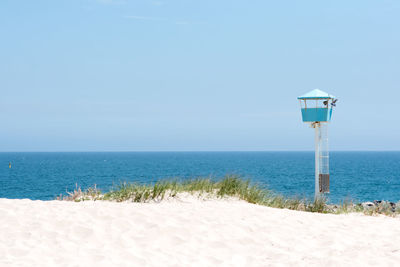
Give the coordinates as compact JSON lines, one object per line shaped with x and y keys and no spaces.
{"x":316,"y":109}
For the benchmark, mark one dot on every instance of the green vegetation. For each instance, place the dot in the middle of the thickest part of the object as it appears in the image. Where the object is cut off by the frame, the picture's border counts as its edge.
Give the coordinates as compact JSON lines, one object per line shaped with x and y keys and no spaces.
{"x":229,"y":186}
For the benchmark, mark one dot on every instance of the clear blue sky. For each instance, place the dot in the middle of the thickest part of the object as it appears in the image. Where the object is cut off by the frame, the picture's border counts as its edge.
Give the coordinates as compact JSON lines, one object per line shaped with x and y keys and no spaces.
{"x":121,"y":75}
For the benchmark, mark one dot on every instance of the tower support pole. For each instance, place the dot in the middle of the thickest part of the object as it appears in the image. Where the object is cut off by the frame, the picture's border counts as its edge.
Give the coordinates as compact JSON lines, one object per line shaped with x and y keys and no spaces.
{"x":317,"y":152}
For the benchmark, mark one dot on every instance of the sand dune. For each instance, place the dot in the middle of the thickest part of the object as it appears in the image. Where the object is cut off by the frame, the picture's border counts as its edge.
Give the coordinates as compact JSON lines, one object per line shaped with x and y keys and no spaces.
{"x":190,"y":232}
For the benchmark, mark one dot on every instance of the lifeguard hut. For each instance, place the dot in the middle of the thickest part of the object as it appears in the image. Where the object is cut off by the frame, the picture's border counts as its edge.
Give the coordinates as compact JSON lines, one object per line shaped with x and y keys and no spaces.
{"x":316,"y":109}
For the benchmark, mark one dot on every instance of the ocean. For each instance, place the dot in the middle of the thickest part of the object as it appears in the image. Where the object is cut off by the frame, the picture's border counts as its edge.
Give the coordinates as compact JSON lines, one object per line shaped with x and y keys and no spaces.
{"x":358,"y":176}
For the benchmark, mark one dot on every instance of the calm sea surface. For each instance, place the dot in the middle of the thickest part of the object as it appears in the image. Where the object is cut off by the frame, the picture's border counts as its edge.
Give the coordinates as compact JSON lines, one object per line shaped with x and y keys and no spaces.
{"x":361,"y":176}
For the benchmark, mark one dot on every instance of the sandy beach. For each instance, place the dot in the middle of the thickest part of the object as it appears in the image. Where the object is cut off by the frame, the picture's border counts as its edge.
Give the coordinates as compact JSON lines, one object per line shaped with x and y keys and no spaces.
{"x":189,"y":232}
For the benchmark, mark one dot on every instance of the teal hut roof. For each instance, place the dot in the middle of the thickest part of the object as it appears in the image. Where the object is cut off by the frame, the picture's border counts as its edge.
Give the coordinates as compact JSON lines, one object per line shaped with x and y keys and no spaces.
{"x":316,"y":94}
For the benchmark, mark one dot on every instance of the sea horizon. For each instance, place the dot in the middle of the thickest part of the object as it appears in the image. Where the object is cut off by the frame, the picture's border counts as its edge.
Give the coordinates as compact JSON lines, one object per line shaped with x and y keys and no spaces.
{"x":177,"y":151}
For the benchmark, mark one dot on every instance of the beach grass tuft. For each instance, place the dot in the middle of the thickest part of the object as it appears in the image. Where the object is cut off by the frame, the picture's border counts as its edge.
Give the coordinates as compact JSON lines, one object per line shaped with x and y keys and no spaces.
{"x":228,"y":186}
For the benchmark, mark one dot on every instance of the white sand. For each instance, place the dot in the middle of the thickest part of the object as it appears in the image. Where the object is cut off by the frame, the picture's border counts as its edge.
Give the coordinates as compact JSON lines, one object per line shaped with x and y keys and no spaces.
{"x":189,"y":233}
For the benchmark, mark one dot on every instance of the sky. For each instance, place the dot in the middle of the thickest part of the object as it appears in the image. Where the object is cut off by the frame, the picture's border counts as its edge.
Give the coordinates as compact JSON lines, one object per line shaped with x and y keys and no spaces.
{"x":185,"y":75}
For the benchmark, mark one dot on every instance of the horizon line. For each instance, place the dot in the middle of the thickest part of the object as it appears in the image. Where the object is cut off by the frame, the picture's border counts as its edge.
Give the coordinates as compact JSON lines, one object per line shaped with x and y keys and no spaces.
{"x":182,"y":151}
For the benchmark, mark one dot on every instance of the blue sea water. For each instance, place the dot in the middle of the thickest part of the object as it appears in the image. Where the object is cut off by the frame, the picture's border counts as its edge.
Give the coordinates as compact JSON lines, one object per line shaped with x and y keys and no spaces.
{"x":360,"y":176}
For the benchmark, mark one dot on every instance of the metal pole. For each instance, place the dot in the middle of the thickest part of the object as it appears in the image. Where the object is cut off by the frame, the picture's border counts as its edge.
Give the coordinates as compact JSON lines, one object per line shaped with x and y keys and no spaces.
{"x":317,"y":148}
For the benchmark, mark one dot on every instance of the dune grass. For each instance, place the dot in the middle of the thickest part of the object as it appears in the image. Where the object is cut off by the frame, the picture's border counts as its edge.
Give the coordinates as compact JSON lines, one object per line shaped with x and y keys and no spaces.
{"x":229,"y":186}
